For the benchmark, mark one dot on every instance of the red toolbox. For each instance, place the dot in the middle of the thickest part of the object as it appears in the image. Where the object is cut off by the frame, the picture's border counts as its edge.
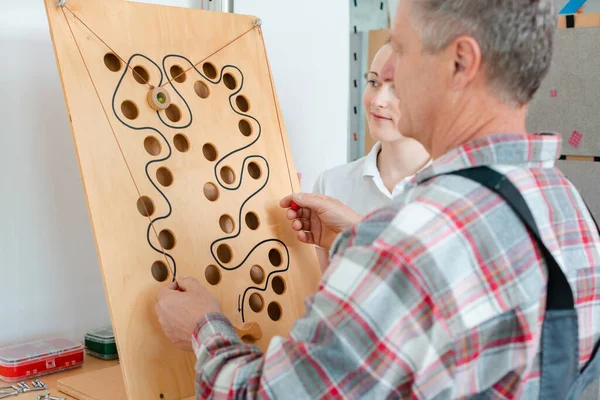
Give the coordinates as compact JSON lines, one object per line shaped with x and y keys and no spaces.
{"x":24,"y":361}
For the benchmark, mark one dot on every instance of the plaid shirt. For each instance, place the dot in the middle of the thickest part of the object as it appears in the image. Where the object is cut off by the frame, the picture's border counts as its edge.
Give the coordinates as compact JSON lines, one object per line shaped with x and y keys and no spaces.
{"x":439,"y":296}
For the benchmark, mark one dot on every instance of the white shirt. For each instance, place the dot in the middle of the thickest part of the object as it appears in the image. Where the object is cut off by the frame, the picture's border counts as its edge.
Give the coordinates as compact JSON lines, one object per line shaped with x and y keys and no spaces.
{"x":359,"y":185}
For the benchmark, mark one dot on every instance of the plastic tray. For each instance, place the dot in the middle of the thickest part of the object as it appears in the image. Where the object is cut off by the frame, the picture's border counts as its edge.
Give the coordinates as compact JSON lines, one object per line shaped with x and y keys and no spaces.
{"x":101,"y":343}
{"x":29,"y":360}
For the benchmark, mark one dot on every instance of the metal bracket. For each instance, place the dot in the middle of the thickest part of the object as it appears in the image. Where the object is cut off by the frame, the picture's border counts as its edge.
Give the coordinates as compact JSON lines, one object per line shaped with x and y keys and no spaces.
{"x":61,"y":3}
{"x":258,"y":22}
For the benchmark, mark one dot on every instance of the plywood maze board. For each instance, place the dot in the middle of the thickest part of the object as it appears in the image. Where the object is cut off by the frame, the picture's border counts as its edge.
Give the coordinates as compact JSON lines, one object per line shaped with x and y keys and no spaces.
{"x":568,"y":101}
{"x":184,"y":158}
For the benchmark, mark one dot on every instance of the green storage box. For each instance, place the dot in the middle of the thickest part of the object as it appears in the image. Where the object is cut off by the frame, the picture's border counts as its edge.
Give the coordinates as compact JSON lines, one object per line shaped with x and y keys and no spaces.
{"x":101,"y":343}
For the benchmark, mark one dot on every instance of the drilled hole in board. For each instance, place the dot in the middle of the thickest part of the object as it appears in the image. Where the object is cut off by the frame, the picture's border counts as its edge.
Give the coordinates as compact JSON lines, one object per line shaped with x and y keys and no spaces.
{"x":227,"y":175}
{"x":201,"y":89}
{"x":209,"y":70}
{"x":278,"y":285}
{"x":275,"y":257}
{"x":145,"y":206}
{"x":245,"y":127}
{"x":224,"y":253}
{"x":112,"y":62}
{"x":173,"y":113}
{"x":257,"y":274}
{"x":181,"y":142}
{"x":242,"y":103}
{"x":177,"y":73}
{"x":140,"y":74}
{"x":209,"y":151}
{"x":229,"y":81}
{"x":256,"y":302}
{"x":274,"y":311}
{"x":166,"y":238}
{"x":226,"y":223}
{"x":252,"y":221}
{"x":254,"y":170}
{"x":164,"y":176}
{"x":152,"y":145}
{"x":129,"y":109}
{"x":210,"y":191}
{"x":159,"y":270}
{"x":212,"y":275}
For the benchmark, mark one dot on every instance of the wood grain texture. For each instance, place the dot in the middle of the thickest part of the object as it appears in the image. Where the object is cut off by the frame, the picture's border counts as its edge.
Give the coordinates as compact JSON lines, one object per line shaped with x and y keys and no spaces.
{"x":585,"y":20}
{"x":104,"y":384}
{"x":152,"y":150}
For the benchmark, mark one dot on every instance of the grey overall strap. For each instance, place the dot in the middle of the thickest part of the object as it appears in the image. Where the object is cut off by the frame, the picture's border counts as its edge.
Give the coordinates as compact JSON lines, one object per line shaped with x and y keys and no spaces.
{"x":560,"y":341}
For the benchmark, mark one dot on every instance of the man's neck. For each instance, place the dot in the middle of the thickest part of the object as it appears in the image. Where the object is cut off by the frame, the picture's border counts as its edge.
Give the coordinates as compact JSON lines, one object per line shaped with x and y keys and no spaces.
{"x":477,"y":118}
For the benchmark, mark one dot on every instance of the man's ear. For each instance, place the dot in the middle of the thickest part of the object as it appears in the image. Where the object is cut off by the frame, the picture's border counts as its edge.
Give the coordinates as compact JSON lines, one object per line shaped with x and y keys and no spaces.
{"x":465,"y":55}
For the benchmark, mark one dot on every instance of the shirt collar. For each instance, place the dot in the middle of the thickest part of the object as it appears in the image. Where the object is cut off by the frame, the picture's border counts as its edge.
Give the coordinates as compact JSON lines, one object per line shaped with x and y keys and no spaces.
{"x":528,"y":150}
{"x":370,"y":164}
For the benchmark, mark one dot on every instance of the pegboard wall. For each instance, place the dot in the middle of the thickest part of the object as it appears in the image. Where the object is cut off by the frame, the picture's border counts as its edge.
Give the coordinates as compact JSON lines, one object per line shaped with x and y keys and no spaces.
{"x":567,"y":102}
{"x":367,"y":16}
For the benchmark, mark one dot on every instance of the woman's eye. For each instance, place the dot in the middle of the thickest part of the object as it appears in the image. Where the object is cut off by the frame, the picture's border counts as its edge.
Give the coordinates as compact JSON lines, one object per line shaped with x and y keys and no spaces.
{"x":372,"y":83}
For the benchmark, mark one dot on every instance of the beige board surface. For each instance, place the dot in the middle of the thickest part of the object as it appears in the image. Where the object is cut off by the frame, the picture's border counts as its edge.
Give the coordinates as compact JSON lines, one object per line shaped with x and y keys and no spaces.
{"x":567,"y":101}
{"x":170,"y":158}
{"x":104,"y":384}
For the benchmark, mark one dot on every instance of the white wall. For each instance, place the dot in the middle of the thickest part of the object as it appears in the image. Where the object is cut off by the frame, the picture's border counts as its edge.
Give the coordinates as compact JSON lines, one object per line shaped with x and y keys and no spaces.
{"x":308,"y":45}
{"x":50,"y":282}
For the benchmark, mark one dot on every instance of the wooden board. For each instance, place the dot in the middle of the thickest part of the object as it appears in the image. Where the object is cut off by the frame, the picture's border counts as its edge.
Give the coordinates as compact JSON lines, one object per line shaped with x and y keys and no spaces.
{"x":171,"y":159}
{"x":104,"y":384}
{"x":567,"y":100}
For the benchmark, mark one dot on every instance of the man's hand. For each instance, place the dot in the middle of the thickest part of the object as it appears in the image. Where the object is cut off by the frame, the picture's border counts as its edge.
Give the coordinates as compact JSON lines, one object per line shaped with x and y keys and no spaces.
{"x":320,"y":218}
{"x":180,"y":307}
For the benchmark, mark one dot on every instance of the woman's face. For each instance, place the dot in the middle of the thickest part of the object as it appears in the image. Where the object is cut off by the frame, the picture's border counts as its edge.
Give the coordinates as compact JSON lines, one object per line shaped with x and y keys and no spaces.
{"x":380,"y":101}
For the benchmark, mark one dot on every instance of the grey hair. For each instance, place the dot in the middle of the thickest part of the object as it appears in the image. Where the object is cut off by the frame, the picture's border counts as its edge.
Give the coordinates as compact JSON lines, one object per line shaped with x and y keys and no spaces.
{"x":515,"y":36}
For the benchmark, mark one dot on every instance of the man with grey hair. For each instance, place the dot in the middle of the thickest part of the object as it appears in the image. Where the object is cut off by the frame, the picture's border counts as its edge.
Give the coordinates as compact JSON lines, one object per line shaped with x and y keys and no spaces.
{"x":483,"y":280}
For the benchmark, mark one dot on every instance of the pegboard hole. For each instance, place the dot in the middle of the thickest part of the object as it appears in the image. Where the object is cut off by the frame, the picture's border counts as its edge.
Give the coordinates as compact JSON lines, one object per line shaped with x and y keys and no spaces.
{"x":181,"y":142}
{"x":166,"y":238}
{"x":129,"y":109}
{"x":173,"y":113}
{"x":201,"y":89}
{"x":242,"y":103}
{"x":252,"y":221}
{"x":245,"y":127}
{"x":164,"y":176}
{"x":178,"y":74}
{"x":229,"y":81}
{"x":278,"y":285}
{"x":212,"y":275}
{"x":227,"y":175}
{"x":159,"y":270}
{"x":224,"y":253}
{"x":254,"y":170}
{"x":145,"y":206}
{"x":152,"y":146}
{"x":274,"y":311}
{"x":209,"y":151}
{"x":140,"y":75}
{"x":210,"y":191}
{"x":256,"y":302}
{"x":226,"y":223}
{"x":209,"y":70}
{"x":275,"y":257}
{"x":112,"y":62}
{"x":257,"y":274}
